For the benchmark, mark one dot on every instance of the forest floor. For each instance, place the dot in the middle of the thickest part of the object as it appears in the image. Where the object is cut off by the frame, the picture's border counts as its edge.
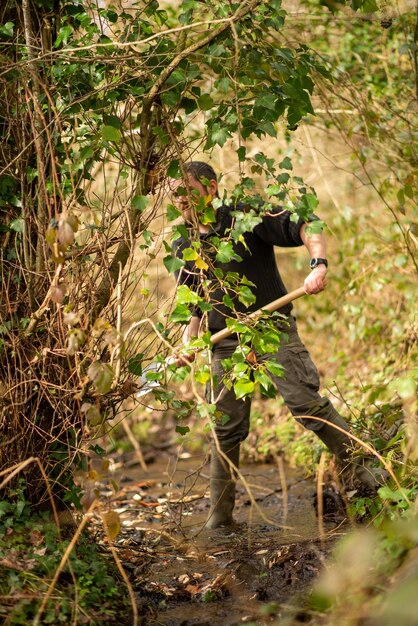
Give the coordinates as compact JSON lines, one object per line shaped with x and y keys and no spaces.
{"x":257,"y":573}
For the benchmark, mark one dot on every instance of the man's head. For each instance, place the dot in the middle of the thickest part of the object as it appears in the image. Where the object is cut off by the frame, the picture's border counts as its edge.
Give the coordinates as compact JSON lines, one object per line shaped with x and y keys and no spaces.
{"x":202,"y":172}
{"x":201,"y":183}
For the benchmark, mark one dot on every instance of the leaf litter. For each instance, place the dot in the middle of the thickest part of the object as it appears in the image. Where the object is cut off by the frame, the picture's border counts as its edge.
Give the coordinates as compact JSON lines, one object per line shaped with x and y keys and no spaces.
{"x":186,"y":575}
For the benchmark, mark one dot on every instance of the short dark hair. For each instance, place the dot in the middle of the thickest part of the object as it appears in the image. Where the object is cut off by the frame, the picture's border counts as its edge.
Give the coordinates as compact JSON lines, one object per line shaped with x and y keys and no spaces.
{"x":199,"y":170}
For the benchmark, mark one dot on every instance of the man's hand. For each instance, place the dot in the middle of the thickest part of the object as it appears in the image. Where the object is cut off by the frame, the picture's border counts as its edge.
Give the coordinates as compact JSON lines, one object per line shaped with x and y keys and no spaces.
{"x":190,"y":332}
{"x":316,"y":281}
{"x":185,"y":359}
{"x":316,"y":246}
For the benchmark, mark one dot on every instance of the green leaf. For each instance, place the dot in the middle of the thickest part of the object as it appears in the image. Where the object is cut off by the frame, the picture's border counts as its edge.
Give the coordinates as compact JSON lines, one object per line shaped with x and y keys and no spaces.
{"x":172,"y":212}
{"x":189,"y":254}
{"x":189,"y":105}
{"x":223,"y":84}
{"x":386,"y":493}
{"x":172,"y":263}
{"x":63,"y":35}
{"x":268,"y":128}
{"x":181,"y":314}
{"x":246,"y":296}
{"x":183,"y":430}
{"x":228,"y":301}
{"x":111,"y":16}
{"x":176,"y":77}
{"x":186,"y":296}
{"x":205,"y":102}
{"x":235,"y":326}
{"x":265,"y":383}
{"x":179,"y":230}
{"x":20,"y":505}
{"x":163,"y":137}
{"x":17,"y":225}
{"x":6,"y":31}
{"x":110,"y":133}
{"x":219,"y":136}
{"x":401,"y":197}
{"x":275,"y":368}
{"x":171,"y":98}
{"x":312,"y":201}
{"x":226,"y":252}
{"x":241,"y":153}
{"x":5,"y":507}
{"x":367,"y":6}
{"x":112,"y":120}
{"x":208,"y":216}
{"x":173,"y":170}
{"x":135,"y":364}
{"x":283,"y":178}
{"x":243,"y":387}
{"x":286,"y":164}
{"x":376,"y":392}
{"x":267,"y":341}
{"x":147,"y":235}
{"x":241,"y":367}
{"x":315,"y":227}
{"x":266,"y":101}
{"x":152,"y":375}
{"x":139,"y":203}
{"x":203,"y":375}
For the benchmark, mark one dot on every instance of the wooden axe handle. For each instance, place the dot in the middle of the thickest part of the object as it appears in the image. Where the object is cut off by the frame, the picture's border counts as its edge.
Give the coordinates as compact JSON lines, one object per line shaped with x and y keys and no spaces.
{"x":222,"y":334}
{"x":270,"y":307}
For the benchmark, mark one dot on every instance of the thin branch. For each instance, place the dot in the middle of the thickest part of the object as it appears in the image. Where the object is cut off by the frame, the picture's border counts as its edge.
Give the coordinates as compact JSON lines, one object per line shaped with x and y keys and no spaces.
{"x":141,"y":42}
{"x":127,"y":583}
{"x":38,"y":127}
{"x":37,"y":315}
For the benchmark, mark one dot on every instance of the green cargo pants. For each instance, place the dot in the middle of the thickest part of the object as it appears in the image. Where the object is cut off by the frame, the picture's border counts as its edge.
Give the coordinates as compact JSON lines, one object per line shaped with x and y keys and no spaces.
{"x":299,"y":388}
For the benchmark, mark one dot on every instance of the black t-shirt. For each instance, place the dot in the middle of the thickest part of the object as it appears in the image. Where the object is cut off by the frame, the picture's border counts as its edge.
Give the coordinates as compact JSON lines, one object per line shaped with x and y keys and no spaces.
{"x":257,"y":262}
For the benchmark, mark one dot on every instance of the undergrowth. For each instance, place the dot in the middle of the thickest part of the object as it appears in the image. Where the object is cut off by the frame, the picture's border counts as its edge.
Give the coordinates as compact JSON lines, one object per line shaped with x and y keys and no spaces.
{"x":373,"y":576}
{"x":89,"y":590}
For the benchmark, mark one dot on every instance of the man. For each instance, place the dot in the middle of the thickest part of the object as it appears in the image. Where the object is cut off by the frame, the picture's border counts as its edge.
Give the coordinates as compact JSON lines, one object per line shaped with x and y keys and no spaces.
{"x":255,"y":260}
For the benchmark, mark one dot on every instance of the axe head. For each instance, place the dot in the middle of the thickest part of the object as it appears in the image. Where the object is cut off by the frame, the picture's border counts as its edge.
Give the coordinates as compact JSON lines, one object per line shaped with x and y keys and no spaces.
{"x":146,"y":381}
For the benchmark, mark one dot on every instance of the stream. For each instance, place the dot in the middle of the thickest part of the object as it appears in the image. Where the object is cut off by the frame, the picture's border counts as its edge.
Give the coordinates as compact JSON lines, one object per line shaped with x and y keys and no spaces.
{"x":256,"y":573}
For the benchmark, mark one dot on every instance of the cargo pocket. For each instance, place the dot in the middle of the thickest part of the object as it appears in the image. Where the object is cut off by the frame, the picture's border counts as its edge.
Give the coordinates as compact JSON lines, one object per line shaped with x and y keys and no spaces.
{"x":302,"y":367}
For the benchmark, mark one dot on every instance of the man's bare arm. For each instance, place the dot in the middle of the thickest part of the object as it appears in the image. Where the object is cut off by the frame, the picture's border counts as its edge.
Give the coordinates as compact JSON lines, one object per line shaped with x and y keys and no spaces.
{"x":316,"y":246}
{"x":192,"y":329}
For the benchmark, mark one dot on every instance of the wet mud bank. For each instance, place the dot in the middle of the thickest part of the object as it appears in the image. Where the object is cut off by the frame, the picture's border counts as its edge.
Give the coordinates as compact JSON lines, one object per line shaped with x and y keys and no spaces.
{"x":256,"y":573}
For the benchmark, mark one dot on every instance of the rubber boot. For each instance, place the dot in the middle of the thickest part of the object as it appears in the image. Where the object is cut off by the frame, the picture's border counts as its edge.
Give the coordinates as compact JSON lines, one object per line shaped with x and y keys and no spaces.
{"x":356,"y":470}
{"x":222,"y":486}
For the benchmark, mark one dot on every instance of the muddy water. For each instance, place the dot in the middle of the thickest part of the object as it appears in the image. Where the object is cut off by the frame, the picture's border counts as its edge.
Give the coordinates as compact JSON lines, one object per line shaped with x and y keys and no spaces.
{"x":192,"y":576}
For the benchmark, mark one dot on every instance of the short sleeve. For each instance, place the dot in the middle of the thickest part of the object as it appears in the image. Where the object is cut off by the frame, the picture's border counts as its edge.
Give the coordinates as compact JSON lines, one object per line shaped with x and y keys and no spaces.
{"x":278,"y":229}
